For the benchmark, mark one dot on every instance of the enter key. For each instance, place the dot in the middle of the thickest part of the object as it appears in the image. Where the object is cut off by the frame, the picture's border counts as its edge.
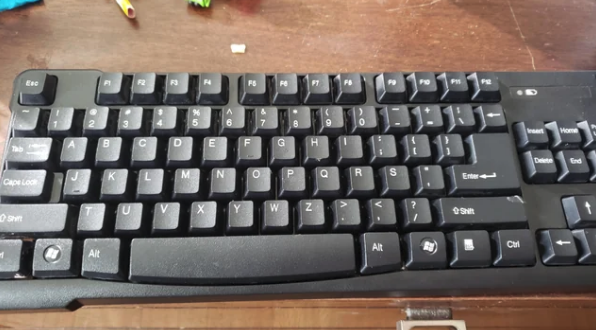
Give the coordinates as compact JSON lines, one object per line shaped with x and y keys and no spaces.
{"x":491,"y":168}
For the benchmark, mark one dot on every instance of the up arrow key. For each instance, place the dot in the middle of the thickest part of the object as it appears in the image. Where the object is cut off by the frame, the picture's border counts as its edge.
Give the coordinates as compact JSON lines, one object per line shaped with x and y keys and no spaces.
{"x":578,"y":211}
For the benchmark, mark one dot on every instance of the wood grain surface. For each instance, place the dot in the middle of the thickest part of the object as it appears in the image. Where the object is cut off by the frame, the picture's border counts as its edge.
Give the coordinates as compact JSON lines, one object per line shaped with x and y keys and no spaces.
{"x":304,"y":36}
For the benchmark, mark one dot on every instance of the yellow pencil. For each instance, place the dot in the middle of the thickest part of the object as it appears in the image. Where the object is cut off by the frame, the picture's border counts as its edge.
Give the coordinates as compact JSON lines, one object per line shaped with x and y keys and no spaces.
{"x":127,"y":8}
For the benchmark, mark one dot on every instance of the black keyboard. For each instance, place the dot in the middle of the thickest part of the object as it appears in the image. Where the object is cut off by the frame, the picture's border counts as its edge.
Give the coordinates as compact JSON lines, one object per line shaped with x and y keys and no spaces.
{"x":148,"y":187}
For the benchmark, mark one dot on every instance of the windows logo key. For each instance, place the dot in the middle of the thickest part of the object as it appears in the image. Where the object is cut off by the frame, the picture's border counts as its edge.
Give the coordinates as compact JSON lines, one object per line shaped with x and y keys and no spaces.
{"x":428,"y":245}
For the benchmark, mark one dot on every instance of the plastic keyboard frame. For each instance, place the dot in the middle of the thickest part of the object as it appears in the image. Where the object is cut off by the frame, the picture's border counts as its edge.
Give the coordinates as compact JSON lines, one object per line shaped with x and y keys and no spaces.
{"x":543,"y":206}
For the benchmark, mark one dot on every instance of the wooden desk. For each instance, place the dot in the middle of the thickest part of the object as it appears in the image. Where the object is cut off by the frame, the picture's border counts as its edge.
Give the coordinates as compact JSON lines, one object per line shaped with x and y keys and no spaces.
{"x":305,"y":36}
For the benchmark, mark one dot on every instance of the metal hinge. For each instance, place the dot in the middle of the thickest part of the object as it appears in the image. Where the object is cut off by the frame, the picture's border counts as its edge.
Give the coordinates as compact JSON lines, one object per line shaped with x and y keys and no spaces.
{"x":426,"y":317}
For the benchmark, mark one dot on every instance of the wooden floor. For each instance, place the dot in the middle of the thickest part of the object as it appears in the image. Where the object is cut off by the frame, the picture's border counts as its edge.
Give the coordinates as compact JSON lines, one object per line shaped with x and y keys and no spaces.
{"x":304,"y":36}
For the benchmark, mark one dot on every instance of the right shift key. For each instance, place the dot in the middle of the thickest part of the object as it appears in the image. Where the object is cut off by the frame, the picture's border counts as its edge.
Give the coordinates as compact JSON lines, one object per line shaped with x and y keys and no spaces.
{"x":491,"y":169}
{"x":480,"y":212}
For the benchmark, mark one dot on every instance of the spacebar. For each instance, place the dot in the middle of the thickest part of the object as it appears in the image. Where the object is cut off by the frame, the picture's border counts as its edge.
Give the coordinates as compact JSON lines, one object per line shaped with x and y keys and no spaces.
{"x":242,"y":259}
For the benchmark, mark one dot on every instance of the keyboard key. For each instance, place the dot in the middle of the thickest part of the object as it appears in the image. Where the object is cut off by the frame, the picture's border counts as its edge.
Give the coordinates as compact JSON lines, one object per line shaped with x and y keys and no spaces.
{"x":315,"y":151}
{"x":144,"y":152}
{"x":114,"y":185}
{"x":490,"y":118}
{"x":381,"y":215}
{"x":362,"y":121}
{"x":109,"y":152}
{"x":284,"y":89}
{"x":448,"y":149}
{"x":480,"y":212}
{"x":54,"y":258}
{"x":429,"y":180}
{"x":453,"y":87}
{"x":146,"y":89}
{"x":470,"y":248}
{"x":349,"y":150}
{"x":530,"y":135}
{"x":249,"y":151}
{"x":292,"y":183}
{"x":491,"y":168}
{"x":199,"y":122}
{"x":102,"y":259}
{"x":29,"y":153}
{"x":563,"y":135}
{"x":330,"y":121}
{"x":215,"y":152}
{"x":394,"y":181}
{"x":586,"y":241}
{"x":78,"y":186}
{"x":395,"y":120}
{"x":177,"y":89}
{"x":325,"y":182}
{"x":150,"y":185}
{"x":75,"y":153}
{"x":130,"y":122}
{"x":360,"y":182}
{"x":390,"y":87}
{"x":422,"y":87}
{"x":187,"y":184}
{"x":485,"y":87}
{"x":92,"y":220}
{"x":95,"y":122}
{"x":233,"y":121}
{"x":166,"y":219}
{"x":588,"y":131}
{"x":426,"y":250}
{"x":275,"y":217}
{"x":240,"y":218}
{"x":25,"y":186}
{"x":557,"y":247}
{"x":34,"y":220}
{"x":578,"y":211}
{"x":26,"y":122}
{"x":415,"y":149}
{"x":591,"y":157}
{"x":428,"y":119}
{"x":515,"y":247}
{"x":129,"y":220}
{"x":222,"y":183}
{"x":265,"y":121}
{"x":113,"y":89}
{"x":316,"y":89}
{"x":382,"y":150}
{"x":203,"y":218}
{"x":416,"y":214}
{"x":12,"y":262}
{"x":212,"y":89}
{"x":460,"y":119}
{"x":258,"y":183}
{"x":298,"y":257}
{"x":282,"y":151}
{"x":180,"y":152}
{"x":573,"y":166}
{"x":60,"y":123}
{"x":380,"y":253}
{"x":37,"y":88}
{"x":348,"y":89}
{"x":346,"y":215}
{"x":539,"y":166}
{"x":165,"y":121}
{"x":253,"y":89}
{"x":298,"y":121}
{"x":310,"y":216}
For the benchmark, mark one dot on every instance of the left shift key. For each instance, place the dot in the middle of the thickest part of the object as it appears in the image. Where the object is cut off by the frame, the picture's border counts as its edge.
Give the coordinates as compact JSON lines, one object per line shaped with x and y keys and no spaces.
{"x":34,"y":220}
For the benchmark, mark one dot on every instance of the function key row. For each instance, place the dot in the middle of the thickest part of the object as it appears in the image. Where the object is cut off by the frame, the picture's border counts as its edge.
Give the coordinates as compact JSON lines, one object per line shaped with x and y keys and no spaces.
{"x":291,"y":89}
{"x":266,"y":121}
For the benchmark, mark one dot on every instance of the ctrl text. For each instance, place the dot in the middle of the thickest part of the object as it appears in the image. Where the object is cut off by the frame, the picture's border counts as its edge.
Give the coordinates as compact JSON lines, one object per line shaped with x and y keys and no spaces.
{"x":513,"y":244}
{"x":10,"y":218}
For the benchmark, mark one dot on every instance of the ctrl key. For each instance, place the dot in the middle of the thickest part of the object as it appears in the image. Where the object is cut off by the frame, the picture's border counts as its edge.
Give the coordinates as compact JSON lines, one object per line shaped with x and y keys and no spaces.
{"x":514,"y":248}
{"x":11,"y":258}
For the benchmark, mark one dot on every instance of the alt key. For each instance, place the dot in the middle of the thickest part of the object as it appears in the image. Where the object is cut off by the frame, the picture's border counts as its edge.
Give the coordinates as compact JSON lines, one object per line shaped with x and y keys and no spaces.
{"x":380,"y":253}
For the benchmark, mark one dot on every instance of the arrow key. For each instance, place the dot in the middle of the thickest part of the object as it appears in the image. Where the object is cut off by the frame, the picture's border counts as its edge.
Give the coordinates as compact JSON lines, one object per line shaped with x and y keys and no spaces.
{"x":580,"y":211}
{"x":557,"y":247}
